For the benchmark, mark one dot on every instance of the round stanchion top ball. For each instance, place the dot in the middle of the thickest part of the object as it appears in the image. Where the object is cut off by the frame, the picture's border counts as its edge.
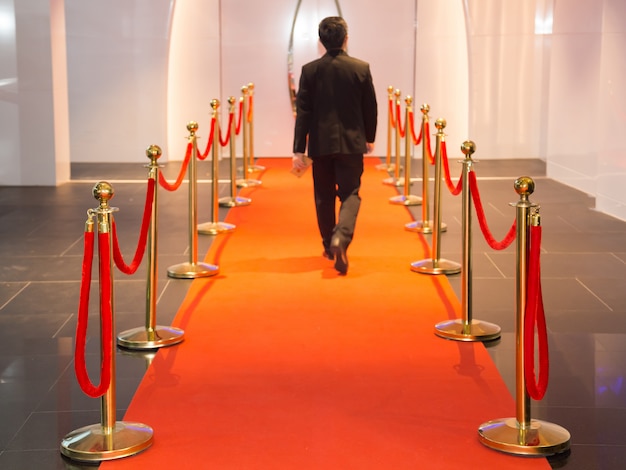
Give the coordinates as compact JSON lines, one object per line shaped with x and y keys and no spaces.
{"x":153,"y":152}
{"x":468,"y":148}
{"x":524,"y":185}
{"x":103,"y":191}
{"x":192,"y":127}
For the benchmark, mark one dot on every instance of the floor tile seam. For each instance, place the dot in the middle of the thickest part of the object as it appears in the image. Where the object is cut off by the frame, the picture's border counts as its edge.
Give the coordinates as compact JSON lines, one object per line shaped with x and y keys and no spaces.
{"x":69,"y":318}
{"x":594,"y":294}
{"x":587,"y":444}
{"x":17,"y":432}
{"x":615,"y":255}
{"x":494,"y":264}
{"x":54,"y":383}
{"x":538,"y":405}
{"x":15,"y":295}
{"x":72,"y":245}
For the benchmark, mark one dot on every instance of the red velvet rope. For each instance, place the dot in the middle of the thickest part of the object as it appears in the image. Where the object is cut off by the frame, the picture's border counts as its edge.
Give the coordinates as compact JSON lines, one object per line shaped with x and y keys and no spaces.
{"x":391,"y":114}
{"x":224,"y":142}
{"x":143,"y":235}
{"x":173,"y":187}
{"x":239,"y":120}
{"x":446,"y":167}
{"x":210,"y":142}
{"x":416,"y":140}
{"x":492,"y":242}
{"x":106,"y":334}
{"x":399,"y":121}
{"x":431,"y":157}
{"x":535,"y":315}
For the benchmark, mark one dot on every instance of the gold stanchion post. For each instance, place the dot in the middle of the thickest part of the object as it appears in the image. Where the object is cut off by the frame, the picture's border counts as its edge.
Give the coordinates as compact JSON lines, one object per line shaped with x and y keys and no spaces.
{"x":233,"y":200}
{"x":192,"y":269}
{"x":466,"y":328}
{"x":110,"y":439}
{"x":245,"y":182}
{"x":252,"y":167}
{"x":426,"y":224}
{"x":388,"y":166}
{"x":522,"y":435}
{"x":214,"y":227}
{"x":437,"y":265}
{"x":151,"y":336}
{"x":407,"y":199}
{"x":396,"y":180}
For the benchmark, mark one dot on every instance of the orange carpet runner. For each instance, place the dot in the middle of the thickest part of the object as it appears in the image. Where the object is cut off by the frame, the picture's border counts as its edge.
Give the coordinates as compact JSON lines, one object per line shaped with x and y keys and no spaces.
{"x":287,"y":365}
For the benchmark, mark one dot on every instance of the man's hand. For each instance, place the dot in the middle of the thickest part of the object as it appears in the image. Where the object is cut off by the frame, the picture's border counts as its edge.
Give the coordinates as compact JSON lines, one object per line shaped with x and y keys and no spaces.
{"x":299,"y":161}
{"x":370,"y":147}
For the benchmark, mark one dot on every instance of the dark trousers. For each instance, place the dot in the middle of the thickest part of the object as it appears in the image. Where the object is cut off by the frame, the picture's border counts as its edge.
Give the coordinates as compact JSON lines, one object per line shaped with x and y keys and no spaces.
{"x":337,"y":176}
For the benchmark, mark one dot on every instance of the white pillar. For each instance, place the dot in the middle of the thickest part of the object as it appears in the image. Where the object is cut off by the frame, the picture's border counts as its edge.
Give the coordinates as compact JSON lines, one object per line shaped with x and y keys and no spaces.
{"x":33,"y":94}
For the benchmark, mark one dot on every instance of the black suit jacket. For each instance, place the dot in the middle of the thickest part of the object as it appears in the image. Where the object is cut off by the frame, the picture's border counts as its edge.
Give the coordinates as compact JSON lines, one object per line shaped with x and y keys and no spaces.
{"x":336,"y":106}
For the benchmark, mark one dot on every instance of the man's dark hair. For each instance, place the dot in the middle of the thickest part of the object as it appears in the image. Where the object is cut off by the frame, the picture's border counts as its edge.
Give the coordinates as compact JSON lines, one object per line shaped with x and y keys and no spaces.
{"x":332,"y":31}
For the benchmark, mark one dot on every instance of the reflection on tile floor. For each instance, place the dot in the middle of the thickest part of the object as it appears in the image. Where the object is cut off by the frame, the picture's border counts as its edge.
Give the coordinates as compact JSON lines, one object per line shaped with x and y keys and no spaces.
{"x":583,"y":267}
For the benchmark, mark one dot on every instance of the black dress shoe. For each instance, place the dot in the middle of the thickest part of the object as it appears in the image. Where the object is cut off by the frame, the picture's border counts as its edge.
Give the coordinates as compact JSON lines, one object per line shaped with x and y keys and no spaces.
{"x":338,"y":247}
{"x":328,"y":254}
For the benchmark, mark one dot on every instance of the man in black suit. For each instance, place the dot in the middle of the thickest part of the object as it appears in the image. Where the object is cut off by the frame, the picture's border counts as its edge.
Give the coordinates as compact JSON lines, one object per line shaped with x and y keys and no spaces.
{"x":337,"y":114}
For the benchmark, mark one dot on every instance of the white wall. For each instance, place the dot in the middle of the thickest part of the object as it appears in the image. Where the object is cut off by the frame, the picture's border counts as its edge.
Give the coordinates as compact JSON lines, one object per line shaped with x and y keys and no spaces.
{"x":525,"y":79}
{"x":505,"y":84}
{"x":117,"y":75}
{"x":442,"y":71}
{"x":574,"y":83}
{"x":193,"y":74}
{"x":611,"y":169}
{"x":587,"y":111}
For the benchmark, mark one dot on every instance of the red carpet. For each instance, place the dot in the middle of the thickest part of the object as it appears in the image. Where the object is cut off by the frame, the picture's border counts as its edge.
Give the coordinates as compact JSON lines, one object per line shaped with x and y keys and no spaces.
{"x":287,"y":365}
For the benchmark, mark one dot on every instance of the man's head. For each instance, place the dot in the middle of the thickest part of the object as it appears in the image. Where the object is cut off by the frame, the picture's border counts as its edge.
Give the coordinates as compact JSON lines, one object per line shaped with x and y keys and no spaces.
{"x":333,"y":31}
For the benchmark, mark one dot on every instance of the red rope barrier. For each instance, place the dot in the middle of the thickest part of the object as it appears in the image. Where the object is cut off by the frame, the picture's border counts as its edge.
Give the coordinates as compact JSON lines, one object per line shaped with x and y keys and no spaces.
{"x":239,"y":120}
{"x":444,"y":158}
{"x":143,"y":235}
{"x":210,"y":142}
{"x":535,"y":315}
{"x":223,"y":142}
{"x":106,"y":334}
{"x":431,"y":157}
{"x":391,"y":114}
{"x":399,"y":121}
{"x":173,"y":187}
{"x":491,"y":241}
{"x":416,"y":140}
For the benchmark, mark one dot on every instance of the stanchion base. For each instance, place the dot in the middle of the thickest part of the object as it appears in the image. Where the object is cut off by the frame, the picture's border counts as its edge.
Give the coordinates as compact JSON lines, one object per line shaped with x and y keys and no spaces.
{"x":215,"y":228}
{"x":394,"y":181}
{"x":386,"y":167}
{"x":192,"y":270}
{"x":409,"y":200}
{"x":255,"y":168}
{"x":142,"y":338}
{"x":541,"y":439}
{"x":234,"y":201}
{"x":442,"y":266}
{"x":475,"y":330}
{"x":92,"y":444}
{"x":420,"y":227}
{"x":247,"y":183}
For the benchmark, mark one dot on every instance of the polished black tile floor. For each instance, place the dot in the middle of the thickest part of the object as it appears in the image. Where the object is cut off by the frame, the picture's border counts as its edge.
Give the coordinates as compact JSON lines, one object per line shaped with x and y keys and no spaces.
{"x":583,"y":266}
